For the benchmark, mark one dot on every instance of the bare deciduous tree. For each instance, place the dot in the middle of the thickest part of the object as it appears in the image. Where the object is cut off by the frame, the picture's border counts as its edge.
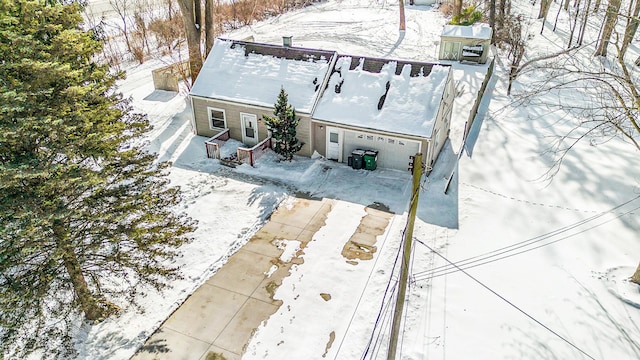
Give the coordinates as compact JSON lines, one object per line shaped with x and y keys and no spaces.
{"x":609,"y":23}
{"x":121,"y":7}
{"x":632,"y":25}
{"x":192,"y":27}
{"x":583,"y":26}
{"x":574,"y":23}
{"x":544,"y":8}
{"x":514,"y":35}
{"x":457,"y":7}
{"x":611,"y":108}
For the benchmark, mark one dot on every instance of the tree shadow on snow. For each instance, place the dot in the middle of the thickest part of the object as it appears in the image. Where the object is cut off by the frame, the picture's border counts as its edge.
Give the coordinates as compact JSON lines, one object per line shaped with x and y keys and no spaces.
{"x":603,"y":328}
{"x":155,"y":346}
{"x":395,"y":46}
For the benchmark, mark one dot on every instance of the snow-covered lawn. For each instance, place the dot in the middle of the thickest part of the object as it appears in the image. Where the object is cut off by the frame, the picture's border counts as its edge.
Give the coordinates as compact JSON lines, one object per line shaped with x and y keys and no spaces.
{"x":545,"y":262}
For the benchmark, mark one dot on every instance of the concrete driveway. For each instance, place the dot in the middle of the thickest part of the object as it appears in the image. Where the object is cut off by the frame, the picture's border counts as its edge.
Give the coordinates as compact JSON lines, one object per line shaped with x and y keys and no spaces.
{"x":220,"y":317}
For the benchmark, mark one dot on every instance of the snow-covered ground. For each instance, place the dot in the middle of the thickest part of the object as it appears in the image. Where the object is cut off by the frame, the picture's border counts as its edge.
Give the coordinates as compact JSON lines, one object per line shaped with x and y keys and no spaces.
{"x":545,"y":262}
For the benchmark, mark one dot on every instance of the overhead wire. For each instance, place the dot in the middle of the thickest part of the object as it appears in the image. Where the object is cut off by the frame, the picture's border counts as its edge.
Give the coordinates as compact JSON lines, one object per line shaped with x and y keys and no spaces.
{"x":508,"y":302}
{"x":494,"y":258}
{"x":386,"y":323}
{"x":509,"y":250}
{"x":384,"y":296}
{"x":384,"y":303}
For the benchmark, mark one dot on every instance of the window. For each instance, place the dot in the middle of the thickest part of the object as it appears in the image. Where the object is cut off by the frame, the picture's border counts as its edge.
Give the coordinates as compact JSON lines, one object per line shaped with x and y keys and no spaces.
{"x":249,"y":131}
{"x":333,"y":137}
{"x":217,"y":118}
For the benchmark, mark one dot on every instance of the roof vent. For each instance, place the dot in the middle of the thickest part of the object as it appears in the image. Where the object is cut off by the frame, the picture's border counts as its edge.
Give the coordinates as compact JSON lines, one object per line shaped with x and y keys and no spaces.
{"x":286,"y":41}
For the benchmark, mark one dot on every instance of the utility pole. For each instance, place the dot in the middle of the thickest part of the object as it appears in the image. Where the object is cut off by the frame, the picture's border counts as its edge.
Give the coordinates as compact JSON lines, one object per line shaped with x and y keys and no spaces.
{"x":406,"y":256}
{"x":402,"y":23}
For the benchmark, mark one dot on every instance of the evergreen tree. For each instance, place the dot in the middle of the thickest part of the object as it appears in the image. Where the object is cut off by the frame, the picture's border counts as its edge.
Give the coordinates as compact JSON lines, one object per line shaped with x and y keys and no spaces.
{"x":283,"y":127}
{"x":468,"y":16}
{"x":86,"y":216}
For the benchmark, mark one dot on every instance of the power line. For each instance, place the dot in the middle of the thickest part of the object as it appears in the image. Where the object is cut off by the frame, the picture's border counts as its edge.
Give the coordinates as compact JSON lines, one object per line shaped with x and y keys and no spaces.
{"x":450,"y":270}
{"x":509,"y":250}
{"x":383,"y":304}
{"x":368,"y":280}
{"x":406,"y":258}
{"x":508,"y":302}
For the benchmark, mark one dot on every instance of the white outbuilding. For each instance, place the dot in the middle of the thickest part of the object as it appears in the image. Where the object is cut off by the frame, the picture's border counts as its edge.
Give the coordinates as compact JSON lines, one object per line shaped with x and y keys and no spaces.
{"x":465,"y":43}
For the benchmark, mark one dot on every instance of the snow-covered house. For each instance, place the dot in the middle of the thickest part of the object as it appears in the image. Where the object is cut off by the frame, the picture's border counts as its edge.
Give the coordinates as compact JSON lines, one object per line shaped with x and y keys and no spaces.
{"x":470,"y":42}
{"x":398,"y":108}
{"x":240,"y":81}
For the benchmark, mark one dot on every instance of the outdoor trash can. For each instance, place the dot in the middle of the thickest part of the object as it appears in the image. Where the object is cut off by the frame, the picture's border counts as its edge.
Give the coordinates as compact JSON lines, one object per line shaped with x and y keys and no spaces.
{"x":358,"y":159}
{"x":370,"y":159}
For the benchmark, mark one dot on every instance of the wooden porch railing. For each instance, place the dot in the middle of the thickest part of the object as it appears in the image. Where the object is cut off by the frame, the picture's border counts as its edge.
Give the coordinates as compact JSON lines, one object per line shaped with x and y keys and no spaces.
{"x":213,"y":145}
{"x":249,"y":156}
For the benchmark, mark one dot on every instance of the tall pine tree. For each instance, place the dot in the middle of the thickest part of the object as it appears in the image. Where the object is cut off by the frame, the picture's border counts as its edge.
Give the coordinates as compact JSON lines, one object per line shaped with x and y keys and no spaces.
{"x":87,"y":218}
{"x":283,"y":126}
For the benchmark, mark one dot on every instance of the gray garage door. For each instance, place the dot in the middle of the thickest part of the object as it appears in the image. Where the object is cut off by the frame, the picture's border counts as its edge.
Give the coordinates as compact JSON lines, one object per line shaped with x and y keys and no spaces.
{"x":393,"y":153}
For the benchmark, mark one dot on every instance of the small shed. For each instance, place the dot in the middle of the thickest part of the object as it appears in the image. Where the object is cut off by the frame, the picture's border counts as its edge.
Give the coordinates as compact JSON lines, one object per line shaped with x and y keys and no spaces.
{"x":465,"y":43}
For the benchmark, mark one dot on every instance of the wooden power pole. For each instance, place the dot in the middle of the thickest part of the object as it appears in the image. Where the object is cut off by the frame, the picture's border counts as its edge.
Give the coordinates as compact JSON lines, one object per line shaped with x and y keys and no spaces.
{"x":406,"y":257}
{"x":402,"y":22}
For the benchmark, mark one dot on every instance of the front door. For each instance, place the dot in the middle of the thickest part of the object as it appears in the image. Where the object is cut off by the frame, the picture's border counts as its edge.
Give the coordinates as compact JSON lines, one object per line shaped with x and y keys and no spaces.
{"x":249,"y":129}
{"x":334,"y":136}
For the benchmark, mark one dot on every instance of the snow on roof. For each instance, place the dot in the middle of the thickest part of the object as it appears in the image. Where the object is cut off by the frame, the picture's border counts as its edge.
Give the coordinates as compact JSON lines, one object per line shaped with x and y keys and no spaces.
{"x":234,"y":74}
{"x":476,"y":31}
{"x":410,"y":106}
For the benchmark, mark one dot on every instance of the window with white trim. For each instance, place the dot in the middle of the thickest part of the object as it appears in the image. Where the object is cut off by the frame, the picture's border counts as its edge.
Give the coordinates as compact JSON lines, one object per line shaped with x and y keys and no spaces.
{"x":217,"y":118}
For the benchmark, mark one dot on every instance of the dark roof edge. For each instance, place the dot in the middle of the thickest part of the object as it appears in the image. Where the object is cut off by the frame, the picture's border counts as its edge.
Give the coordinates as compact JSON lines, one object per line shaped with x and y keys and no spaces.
{"x":387,"y":60}
{"x":280,"y":51}
{"x":374,"y":65}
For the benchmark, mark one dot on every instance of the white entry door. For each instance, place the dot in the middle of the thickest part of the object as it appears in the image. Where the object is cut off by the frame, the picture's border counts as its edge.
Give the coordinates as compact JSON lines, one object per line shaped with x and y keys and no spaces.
{"x":249,"y":129}
{"x":334,"y":142}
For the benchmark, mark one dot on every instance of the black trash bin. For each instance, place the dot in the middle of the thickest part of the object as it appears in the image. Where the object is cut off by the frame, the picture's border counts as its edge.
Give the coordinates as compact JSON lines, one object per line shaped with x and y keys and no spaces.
{"x":358,"y":159}
{"x":370,"y":159}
